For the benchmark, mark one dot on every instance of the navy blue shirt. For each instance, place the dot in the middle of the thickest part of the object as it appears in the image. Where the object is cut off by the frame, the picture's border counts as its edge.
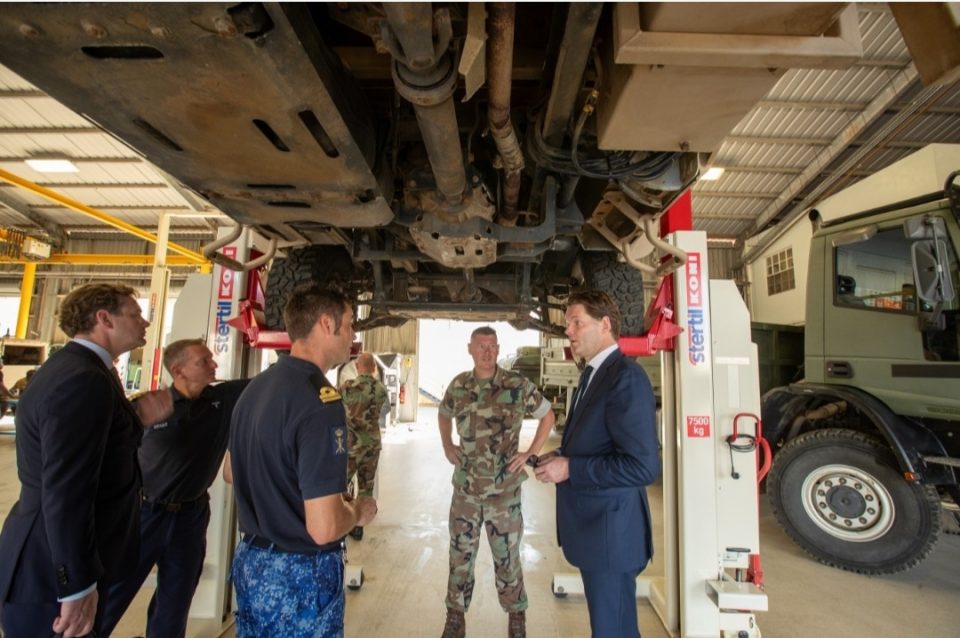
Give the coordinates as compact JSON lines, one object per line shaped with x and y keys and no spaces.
{"x":180,"y":457}
{"x":288,"y":445}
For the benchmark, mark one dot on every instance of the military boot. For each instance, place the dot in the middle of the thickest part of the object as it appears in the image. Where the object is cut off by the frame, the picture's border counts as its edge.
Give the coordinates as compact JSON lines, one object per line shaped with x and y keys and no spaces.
{"x":517,"y":626}
{"x":456,"y":626}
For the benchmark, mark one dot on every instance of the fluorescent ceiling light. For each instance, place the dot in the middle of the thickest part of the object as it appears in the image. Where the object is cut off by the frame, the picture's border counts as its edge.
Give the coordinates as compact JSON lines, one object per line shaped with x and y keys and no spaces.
{"x":713,"y":173}
{"x":722,"y":241}
{"x":52,"y":165}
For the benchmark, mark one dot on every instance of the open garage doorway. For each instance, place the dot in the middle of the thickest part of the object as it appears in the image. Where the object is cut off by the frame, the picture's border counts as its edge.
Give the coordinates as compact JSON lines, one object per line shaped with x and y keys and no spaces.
{"x":443,"y":350}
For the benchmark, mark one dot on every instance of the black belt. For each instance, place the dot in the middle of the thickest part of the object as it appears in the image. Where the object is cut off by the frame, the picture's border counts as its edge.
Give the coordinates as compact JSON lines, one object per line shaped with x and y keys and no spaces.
{"x":264,"y":543}
{"x":170,"y":506}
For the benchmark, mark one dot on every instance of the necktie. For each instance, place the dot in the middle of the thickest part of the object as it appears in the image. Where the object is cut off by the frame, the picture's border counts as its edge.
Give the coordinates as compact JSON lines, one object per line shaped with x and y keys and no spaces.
{"x":582,"y":386}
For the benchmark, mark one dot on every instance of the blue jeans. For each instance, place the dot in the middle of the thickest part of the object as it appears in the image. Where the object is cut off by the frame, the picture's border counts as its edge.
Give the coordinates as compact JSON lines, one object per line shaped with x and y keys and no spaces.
{"x":176,"y":542}
{"x":286,"y":595}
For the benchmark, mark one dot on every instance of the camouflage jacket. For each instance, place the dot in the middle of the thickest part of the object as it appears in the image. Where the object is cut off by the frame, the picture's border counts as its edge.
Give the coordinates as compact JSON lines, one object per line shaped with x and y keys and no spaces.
{"x":363,"y":399}
{"x":489,"y":414}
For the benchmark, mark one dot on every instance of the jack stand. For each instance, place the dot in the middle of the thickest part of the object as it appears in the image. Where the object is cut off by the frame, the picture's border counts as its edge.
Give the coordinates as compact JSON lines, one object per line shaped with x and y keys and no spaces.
{"x":353,"y":576}
{"x":570,"y":583}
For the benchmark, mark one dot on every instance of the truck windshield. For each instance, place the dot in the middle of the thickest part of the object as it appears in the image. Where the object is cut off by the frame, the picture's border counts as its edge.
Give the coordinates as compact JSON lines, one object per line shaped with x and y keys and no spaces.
{"x":877,"y":274}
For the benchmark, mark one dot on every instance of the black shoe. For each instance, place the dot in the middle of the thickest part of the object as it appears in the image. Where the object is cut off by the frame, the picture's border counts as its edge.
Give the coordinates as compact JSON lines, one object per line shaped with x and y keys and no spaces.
{"x":356,"y":533}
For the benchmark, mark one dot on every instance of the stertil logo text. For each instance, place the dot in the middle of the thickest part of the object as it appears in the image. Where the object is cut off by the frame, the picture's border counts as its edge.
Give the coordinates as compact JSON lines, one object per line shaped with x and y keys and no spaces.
{"x":696,"y":337}
{"x":221,"y":331}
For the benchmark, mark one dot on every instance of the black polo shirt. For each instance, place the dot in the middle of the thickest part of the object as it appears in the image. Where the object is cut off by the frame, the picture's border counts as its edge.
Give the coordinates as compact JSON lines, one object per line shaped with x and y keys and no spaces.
{"x":288,"y":445}
{"x":180,"y":457}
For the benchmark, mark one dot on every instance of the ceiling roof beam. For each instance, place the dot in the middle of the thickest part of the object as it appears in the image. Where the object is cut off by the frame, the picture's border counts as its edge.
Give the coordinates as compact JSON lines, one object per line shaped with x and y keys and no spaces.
{"x":81,"y":160}
{"x":877,"y":63}
{"x":21,"y":93}
{"x":772,"y":139}
{"x":723,"y":216}
{"x":107,"y":275}
{"x":112,"y":207}
{"x":814,"y":105}
{"x":199,"y":231}
{"x":933,"y":110}
{"x":735,"y":194}
{"x":907,"y":144}
{"x":50,"y":130}
{"x":94,"y":185}
{"x":817,"y":105}
{"x":103,"y":259}
{"x":771,"y":170}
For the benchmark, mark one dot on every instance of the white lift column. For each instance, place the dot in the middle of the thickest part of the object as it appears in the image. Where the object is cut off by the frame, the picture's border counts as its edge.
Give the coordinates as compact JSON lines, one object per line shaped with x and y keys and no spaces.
{"x":205,"y":304}
{"x":710,"y":488}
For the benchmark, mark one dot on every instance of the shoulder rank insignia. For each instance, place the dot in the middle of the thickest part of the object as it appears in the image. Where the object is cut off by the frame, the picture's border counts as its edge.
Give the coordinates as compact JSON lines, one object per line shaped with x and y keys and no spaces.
{"x":329,"y":394}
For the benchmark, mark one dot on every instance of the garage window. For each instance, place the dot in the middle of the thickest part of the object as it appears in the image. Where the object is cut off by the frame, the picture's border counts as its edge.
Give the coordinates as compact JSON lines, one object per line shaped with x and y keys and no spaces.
{"x":780,"y":272}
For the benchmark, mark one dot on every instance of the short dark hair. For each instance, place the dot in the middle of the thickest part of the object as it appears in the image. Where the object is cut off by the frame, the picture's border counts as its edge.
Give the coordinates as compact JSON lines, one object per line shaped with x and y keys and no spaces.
{"x":176,"y":352}
{"x":598,"y":305}
{"x":307,"y":303}
{"x":485,"y":331}
{"x":78,"y":312}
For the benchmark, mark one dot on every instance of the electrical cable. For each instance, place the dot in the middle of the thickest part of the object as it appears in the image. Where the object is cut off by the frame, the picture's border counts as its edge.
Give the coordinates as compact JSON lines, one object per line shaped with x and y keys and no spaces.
{"x":750,"y":446}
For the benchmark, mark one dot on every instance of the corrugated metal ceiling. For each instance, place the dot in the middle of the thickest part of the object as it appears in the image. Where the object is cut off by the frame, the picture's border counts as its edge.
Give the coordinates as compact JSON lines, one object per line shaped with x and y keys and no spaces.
{"x":818,"y":119}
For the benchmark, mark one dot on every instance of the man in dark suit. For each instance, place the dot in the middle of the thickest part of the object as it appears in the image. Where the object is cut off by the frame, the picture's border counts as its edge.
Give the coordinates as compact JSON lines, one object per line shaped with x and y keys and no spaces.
{"x":609,"y":453}
{"x":75,"y":528}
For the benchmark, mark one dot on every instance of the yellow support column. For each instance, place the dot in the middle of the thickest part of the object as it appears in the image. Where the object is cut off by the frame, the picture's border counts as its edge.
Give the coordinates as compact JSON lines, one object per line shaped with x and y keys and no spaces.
{"x":26,"y":297}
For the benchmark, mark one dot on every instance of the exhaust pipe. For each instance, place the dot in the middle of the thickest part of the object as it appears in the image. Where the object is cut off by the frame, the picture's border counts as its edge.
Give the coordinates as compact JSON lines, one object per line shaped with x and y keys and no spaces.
{"x":500,"y":27}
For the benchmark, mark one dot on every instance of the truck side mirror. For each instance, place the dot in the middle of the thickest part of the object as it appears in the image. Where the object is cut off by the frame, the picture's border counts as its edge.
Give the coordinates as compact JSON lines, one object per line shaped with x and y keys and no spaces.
{"x":929,"y":270}
{"x":924,"y":227}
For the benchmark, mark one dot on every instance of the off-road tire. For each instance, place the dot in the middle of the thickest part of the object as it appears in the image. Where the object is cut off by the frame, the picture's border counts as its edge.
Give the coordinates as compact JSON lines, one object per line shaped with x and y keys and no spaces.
{"x":325,"y":264}
{"x":623,"y":282}
{"x":881,"y":524}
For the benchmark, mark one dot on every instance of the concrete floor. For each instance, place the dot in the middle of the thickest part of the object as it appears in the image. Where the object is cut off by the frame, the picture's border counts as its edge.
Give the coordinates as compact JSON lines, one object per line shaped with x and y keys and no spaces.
{"x":404,"y":556}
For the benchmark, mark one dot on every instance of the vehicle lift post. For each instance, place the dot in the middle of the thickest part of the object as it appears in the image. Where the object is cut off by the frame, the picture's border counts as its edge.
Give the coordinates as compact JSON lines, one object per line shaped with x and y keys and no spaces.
{"x":711,"y":440}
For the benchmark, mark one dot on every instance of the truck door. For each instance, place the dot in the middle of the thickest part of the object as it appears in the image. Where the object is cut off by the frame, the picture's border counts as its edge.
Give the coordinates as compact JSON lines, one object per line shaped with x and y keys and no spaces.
{"x":874,"y":337}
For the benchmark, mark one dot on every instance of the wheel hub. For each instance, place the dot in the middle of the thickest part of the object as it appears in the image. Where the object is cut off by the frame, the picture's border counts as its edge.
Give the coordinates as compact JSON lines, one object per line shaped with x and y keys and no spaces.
{"x":847,"y":503}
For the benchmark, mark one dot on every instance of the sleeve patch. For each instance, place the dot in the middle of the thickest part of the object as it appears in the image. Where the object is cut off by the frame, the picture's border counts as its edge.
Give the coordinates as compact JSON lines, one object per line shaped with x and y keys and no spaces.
{"x":339,"y":440}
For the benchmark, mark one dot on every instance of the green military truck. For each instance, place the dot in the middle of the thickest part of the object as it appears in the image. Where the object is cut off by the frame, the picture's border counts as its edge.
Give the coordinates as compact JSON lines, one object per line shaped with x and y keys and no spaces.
{"x":867,"y":446}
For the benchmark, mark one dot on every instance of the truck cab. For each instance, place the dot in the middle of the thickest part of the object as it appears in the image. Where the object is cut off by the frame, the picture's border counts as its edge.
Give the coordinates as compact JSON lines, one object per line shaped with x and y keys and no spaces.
{"x":867,"y":445}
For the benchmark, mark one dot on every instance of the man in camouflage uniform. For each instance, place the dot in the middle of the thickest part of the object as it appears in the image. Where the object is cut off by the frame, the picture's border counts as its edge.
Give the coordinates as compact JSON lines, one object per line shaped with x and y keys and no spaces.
{"x":364,"y":399}
{"x":489,"y":404}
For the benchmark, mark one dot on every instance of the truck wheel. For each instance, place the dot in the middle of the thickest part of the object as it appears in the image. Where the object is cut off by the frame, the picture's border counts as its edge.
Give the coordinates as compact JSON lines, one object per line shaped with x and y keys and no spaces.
{"x":839,"y":494}
{"x":623,"y":282}
{"x":329,"y":264}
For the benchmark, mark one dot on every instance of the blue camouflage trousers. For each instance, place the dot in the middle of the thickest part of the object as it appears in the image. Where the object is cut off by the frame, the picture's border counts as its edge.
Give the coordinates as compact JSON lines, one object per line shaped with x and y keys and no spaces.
{"x":284,"y":595}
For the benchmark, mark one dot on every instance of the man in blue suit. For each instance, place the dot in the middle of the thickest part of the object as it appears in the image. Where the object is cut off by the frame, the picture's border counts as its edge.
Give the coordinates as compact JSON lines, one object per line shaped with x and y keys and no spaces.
{"x":608,"y":455}
{"x":75,"y":528}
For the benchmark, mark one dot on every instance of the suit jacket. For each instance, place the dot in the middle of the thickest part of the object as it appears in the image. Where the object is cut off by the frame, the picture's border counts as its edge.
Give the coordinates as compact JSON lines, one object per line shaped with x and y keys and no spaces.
{"x":610,"y":439}
{"x":77,"y":519}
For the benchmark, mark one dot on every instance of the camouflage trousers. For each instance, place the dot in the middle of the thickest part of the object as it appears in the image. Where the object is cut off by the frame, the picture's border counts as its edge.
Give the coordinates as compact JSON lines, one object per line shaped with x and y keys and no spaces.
{"x":283,"y":595}
{"x":364,"y":457}
{"x":503,"y":521}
